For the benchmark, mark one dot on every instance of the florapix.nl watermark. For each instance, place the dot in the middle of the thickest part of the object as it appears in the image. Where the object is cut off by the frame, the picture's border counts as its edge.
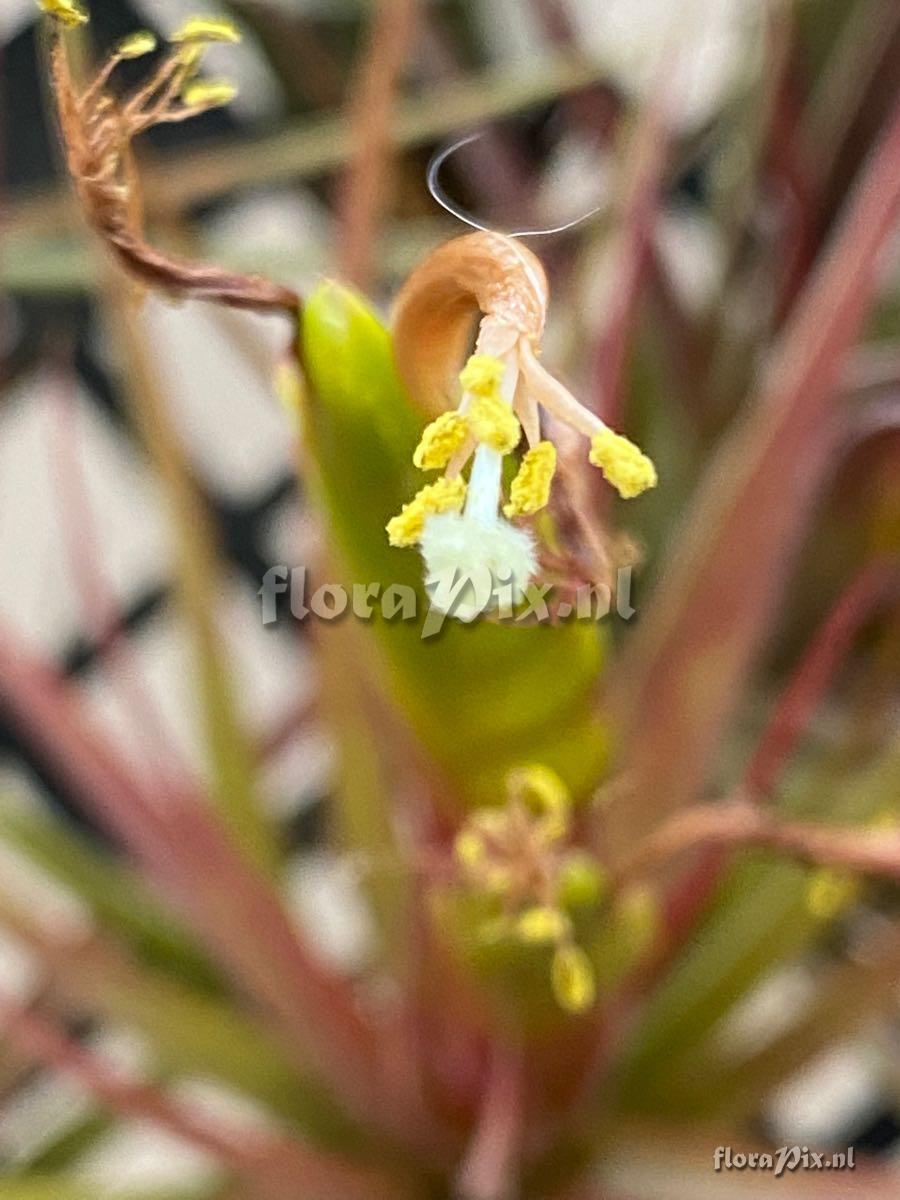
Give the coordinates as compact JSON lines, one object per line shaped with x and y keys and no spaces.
{"x":399,"y":602}
{"x":783,"y":1161}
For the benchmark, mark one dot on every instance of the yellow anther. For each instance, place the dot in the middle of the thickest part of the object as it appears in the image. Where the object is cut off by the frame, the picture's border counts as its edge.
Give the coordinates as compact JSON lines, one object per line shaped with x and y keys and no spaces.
{"x":829,"y":892}
{"x":572,"y":976}
{"x":625,"y":466}
{"x":530,"y":490}
{"x":482,"y":375}
{"x":210,"y":93}
{"x":136,"y":45}
{"x":440,"y":441}
{"x":542,"y":790}
{"x":206,"y":29}
{"x":542,"y":924}
{"x":470,"y":849}
{"x":493,"y":422}
{"x":68,"y":12}
{"x":444,"y":495}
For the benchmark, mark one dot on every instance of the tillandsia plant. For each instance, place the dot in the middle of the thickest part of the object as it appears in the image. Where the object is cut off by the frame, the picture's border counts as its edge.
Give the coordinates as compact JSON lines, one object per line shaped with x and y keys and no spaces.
{"x":577,"y":861}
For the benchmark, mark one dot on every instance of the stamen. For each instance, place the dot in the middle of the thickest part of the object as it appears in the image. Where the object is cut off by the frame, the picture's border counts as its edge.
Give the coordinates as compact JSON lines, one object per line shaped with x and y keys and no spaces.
{"x":482,"y":375}
{"x":543,"y":792}
{"x":442,"y":496}
{"x":208,"y":93}
{"x":623,"y":463}
{"x":572,"y":976}
{"x":69,"y":13}
{"x":136,"y":45}
{"x":493,"y":423}
{"x":542,"y":924}
{"x":530,"y":490}
{"x":206,"y":29}
{"x":440,"y":441}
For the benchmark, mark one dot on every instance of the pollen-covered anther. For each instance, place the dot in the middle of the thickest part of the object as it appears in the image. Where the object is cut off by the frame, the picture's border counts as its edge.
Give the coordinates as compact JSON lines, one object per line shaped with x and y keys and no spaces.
{"x":136,"y":45}
{"x":623,"y":463}
{"x":69,"y":13}
{"x":542,"y":924}
{"x":470,"y":849}
{"x":206,"y":29}
{"x":543,"y":793}
{"x":442,"y":496}
{"x":208,"y":93}
{"x":494,"y":424}
{"x":530,"y":490}
{"x":572,"y":976}
{"x":440,"y":441}
{"x":482,"y":375}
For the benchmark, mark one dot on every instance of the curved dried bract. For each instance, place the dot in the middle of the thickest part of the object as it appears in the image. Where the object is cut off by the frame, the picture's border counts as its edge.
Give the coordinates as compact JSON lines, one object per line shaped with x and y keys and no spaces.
{"x":435,"y":314}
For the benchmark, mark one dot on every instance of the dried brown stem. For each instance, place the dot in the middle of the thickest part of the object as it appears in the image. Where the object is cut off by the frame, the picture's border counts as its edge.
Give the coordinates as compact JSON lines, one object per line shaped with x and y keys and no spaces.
{"x":97,"y":134}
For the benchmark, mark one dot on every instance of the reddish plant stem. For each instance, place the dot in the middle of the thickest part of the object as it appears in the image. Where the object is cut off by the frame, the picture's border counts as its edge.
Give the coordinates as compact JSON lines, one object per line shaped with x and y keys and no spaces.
{"x":798,"y":701}
{"x":490,"y":1168}
{"x":637,"y":218}
{"x":714,"y":602}
{"x":270,"y":1165}
{"x":740,"y":823}
{"x":182,"y":845}
{"x":364,"y":191}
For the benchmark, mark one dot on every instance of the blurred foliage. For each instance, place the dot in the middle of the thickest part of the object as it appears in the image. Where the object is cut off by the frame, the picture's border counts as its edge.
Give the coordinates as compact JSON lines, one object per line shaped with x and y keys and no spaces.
{"x":727,"y":761}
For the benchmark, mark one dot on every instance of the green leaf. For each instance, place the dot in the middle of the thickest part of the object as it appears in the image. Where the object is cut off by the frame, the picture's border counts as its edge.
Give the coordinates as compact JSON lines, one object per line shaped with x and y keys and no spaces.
{"x":759,"y":918}
{"x":233,"y":781}
{"x":481,"y":697}
{"x":115,"y":897}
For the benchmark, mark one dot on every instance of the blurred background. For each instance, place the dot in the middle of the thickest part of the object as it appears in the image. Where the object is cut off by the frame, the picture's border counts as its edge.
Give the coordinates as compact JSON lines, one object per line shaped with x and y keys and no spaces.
{"x":272,"y":184}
